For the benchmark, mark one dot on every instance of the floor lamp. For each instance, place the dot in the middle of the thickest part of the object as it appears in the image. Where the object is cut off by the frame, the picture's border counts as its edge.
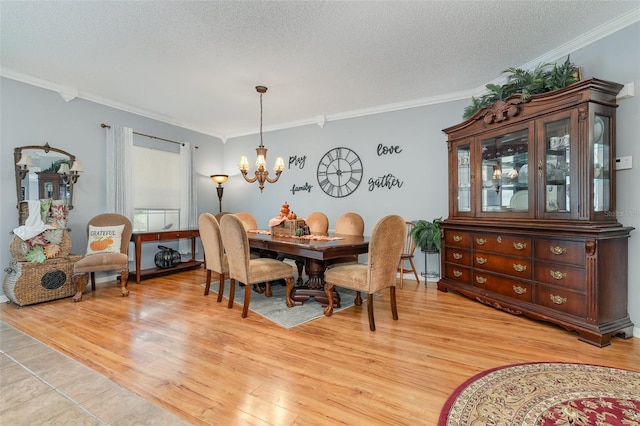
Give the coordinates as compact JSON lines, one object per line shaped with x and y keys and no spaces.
{"x":220,"y":179}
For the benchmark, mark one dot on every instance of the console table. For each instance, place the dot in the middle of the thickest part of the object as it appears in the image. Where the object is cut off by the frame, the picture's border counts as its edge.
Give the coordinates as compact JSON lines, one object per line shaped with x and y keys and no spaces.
{"x":138,"y":238}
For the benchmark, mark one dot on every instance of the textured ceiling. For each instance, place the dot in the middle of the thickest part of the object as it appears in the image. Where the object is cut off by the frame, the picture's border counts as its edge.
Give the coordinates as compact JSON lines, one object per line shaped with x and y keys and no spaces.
{"x":195,"y":64}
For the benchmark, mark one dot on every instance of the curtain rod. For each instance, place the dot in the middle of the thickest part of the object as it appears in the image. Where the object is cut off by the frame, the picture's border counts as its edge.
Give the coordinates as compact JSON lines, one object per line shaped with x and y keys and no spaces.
{"x":148,"y":136}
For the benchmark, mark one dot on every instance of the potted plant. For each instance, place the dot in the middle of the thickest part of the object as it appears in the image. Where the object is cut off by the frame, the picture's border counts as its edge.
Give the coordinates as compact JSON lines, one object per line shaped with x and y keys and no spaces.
{"x":426,"y":234}
{"x":544,"y":78}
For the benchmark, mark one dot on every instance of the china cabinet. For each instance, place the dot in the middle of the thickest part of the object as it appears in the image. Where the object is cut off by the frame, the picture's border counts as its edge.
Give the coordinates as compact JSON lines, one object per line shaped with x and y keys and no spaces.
{"x":532,"y":226}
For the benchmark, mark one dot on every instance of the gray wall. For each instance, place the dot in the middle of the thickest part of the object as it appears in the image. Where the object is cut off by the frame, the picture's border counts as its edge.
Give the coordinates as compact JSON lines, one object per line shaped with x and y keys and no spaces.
{"x":33,"y":116}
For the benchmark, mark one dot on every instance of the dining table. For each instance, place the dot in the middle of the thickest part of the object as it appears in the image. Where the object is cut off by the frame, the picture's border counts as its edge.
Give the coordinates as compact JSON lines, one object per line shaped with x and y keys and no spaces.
{"x":316,"y":251}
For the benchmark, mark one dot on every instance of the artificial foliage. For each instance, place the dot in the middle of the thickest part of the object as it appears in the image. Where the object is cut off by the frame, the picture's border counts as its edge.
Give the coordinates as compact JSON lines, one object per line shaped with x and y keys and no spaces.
{"x":543,"y":78}
{"x":427,"y":235}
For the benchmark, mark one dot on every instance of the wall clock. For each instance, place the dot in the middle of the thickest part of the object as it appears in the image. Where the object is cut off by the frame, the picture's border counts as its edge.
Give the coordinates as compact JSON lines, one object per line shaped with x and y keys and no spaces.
{"x":339,"y":172}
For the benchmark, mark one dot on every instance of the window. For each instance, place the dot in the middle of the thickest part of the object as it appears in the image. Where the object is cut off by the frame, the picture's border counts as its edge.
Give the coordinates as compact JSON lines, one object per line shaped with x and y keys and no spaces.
{"x":156,"y":192}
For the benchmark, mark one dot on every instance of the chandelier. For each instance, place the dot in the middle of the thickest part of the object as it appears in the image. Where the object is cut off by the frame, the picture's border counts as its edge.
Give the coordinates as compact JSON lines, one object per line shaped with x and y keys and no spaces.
{"x":261,"y":174}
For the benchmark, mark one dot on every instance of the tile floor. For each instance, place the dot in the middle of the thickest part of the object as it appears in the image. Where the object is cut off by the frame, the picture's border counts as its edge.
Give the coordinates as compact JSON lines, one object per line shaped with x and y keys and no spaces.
{"x":40,"y":386}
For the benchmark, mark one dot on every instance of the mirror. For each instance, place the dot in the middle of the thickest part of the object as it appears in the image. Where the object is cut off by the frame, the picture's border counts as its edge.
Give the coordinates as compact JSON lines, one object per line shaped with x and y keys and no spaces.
{"x":45,"y":172}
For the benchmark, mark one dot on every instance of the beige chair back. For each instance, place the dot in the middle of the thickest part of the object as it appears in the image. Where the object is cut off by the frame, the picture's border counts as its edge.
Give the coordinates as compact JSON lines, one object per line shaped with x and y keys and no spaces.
{"x":318,"y":223}
{"x":350,"y":224}
{"x":385,"y":248}
{"x":236,"y":243}
{"x":211,"y":242}
{"x":248,"y":220}
{"x":409,"y":241}
{"x":219,"y":215}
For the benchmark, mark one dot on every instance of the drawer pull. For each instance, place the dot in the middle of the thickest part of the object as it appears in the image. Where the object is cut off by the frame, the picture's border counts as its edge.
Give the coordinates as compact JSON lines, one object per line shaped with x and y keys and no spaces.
{"x":457,"y":256}
{"x":457,"y":273}
{"x":557,"y":250}
{"x":558,"y":275}
{"x":557,"y":299}
{"x":519,"y":246}
{"x":481,"y":280}
{"x":519,"y":290}
{"x":481,"y":260}
{"x":481,"y":241}
{"x":499,"y":239}
{"x":519,"y":268}
{"x":457,"y":238}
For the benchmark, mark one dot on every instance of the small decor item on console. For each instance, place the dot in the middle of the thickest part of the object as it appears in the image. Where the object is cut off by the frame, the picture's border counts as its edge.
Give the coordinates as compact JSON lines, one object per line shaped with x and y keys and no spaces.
{"x":167,"y":258}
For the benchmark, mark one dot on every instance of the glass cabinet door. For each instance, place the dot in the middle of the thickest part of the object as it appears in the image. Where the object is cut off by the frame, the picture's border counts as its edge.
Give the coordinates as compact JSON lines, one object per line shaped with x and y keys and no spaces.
{"x":505,"y":172}
{"x":601,"y":164}
{"x":557,"y":166}
{"x":463,"y":155}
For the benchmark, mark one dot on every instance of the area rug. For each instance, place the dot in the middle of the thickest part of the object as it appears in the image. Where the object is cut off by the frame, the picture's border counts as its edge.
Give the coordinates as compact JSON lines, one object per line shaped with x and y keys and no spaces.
{"x":275,"y":309}
{"x":537,"y":394}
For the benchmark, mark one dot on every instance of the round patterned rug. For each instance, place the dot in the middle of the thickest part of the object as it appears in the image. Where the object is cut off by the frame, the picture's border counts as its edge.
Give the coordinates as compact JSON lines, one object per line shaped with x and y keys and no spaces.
{"x":546,"y":394}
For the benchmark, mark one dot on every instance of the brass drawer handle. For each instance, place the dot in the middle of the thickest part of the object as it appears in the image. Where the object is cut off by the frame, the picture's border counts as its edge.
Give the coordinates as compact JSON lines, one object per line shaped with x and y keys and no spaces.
{"x":519,"y":268}
{"x":457,"y":256}
{"x":499,"y":239}
{"x":481,"y":280}
{"x":457,"y":238}
{"x":557,"y":250}
{"x":481,"y":260}
{"x":457,"y":273}
{"x":519,"y":290}
{"x":557,"y":299}
{"x":481,"y":241}
{"x":558,"y":275}
{"x":519,"y":246}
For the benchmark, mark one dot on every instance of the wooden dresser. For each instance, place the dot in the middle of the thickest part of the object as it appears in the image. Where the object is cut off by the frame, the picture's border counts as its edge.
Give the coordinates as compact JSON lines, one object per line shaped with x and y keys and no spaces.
{"x":532,"y":226}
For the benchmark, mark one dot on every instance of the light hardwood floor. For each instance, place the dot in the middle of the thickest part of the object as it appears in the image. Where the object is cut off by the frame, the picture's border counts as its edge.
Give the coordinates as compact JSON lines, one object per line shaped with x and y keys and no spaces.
{"x":186,"y":353}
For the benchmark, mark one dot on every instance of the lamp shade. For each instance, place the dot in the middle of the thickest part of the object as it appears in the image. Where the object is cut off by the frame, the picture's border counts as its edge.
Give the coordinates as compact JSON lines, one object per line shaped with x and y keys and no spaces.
{"x":244,"y":163}
{"x":64,"y":169}
{"x":219,"y":179}
{"x":279,"y":166}
{"x":25,"y":160}
{"x":76,"y":167}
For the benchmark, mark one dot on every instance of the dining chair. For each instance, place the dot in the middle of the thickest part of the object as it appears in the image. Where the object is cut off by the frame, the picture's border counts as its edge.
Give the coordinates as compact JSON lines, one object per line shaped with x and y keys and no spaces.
{"x":107,"y":250}
{"x":380,"y":272}
{"x":248,"y":220}
{"x":407,"y":254}
{"x":244,"y":269}
{"x":219,"y":216}
{"x":215,"y":258}
{"x":350,"y":223}
{"x":318,"y":223}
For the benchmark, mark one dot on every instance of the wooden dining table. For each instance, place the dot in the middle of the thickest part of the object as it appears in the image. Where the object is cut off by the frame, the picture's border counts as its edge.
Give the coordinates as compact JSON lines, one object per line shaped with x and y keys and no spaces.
{"x":316,"y":251}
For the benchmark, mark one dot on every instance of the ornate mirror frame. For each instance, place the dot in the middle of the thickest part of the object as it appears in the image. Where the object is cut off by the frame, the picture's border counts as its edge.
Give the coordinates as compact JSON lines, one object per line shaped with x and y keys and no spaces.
{"x":21,"y":172}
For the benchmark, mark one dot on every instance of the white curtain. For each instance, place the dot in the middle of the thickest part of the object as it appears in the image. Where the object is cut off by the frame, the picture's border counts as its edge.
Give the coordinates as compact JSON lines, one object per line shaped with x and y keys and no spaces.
{"x":188,"y":196}
{"x":120,"y":181}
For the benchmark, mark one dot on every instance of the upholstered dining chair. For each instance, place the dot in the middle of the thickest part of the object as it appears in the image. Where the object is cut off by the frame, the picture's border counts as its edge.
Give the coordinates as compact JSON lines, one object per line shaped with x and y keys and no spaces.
{"x":244,"y":269}
{"x":350,"y":223}
{"x":219,"y":216}
{"x":108,"y":253}
{"x":248,"y":220}
{"x":407,"y":254}
{"x":380,"y":272}
{"x":216,"y":260}
{"x":318,"y":223}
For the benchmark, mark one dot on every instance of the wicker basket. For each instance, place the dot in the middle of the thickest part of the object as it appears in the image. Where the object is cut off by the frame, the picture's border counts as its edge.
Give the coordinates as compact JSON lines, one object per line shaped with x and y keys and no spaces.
{"x":26,"y":283}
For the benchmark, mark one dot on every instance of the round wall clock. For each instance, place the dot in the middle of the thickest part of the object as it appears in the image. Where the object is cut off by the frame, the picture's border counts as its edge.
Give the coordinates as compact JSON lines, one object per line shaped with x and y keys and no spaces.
{"x":339,"y":172}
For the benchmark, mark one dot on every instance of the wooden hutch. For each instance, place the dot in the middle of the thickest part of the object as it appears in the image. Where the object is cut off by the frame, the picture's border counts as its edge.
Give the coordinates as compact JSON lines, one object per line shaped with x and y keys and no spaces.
{"x":532,"y":226}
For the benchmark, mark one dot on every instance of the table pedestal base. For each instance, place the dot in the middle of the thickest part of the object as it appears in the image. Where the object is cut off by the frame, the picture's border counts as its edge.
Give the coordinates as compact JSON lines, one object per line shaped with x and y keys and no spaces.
{"x":314,"y":287}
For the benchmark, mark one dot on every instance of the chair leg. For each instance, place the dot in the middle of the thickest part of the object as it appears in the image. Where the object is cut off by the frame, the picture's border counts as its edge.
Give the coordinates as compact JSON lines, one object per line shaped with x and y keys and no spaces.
{"x":401,"y":270}
{"x":358,"y":299}
{"x":232,"y":292}
{"x":78,"y":280}
{"x":124,"y":279}
{"x":328,"y":289}
{"x":220,"y":287}
{"x":93,"y":281}
{"x":247,"y":300}
{"x":415,"y":272}
{"x":394,"y":308}
{"x":372,"y":322}
{"x":290,"y":302}
{"x":267,"y":291}
{"x":208,"y":285}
